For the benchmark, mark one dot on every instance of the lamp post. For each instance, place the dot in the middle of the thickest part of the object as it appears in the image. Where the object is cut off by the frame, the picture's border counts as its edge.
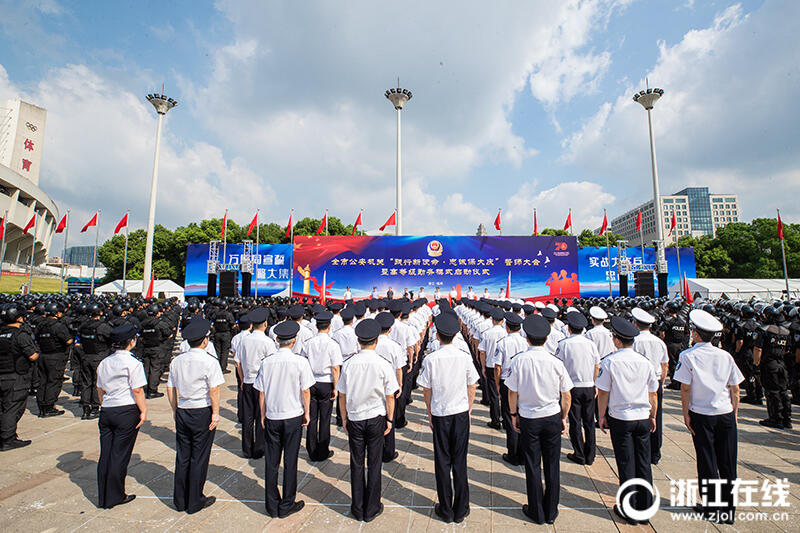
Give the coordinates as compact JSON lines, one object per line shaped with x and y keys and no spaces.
{"x":647,"y":98}
{"x":399,"y":97}
{"x":162,"y":105}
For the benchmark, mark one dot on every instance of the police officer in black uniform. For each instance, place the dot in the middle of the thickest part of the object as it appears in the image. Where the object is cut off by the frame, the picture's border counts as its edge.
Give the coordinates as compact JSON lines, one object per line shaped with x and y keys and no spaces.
{"x":17,"y":355}
{"x":746,"y":332}
{"x":674,"y":335}
{"x":95,"y":335}
{"x":222,"y":323}
{"x":54,"y":340}
{"x":154,"y":333}
{"x":771,"y":347}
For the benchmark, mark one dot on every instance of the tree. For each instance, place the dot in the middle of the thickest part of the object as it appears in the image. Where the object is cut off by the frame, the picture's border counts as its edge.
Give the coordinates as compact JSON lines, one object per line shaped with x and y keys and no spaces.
{"x":552,"y":232}
{"x":590,"y":238}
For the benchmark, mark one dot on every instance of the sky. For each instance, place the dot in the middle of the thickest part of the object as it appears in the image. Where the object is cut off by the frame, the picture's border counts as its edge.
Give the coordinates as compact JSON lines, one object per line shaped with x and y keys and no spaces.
{"x":516,"y":106}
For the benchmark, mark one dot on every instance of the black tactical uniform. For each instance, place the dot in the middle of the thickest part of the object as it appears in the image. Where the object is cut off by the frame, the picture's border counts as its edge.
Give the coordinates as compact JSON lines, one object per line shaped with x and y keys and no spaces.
{"x":675,"y":339}
{"x":54,"y":340}
{"x":154,"y":333}
{"x":223,"y":322}
{"x":16,"y":350}
{"x":775,"y":343}
{"x":747,"y":332}
{"x":95,"y":337}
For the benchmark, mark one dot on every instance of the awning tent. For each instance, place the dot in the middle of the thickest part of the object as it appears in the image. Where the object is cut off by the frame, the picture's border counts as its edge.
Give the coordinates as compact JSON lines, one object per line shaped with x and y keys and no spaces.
{"x":162,"y":288}
{"x":740,"y":289}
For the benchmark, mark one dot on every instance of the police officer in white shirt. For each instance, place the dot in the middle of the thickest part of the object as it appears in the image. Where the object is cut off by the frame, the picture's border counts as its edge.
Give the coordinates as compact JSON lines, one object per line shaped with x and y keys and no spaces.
{"x":486,"y":351}
{"x":448,"y":380}
{"x":254,"y":349}
{"x":296,"y":313}
{"x":346,"y":338}
{"x":395,"y":356}
{"x":582,"y":360}
{"x":555,"y":335}
{"x":627,"y":403}
{"x":403,"y":335}
{"x":598,"y":333}
{"x":283,"y":383}
{"x":210,"y":350}
{"x":348,"y":295}
{"x":325,"y":358}
{"x":539,"y":399}
{"x":655,"y":350}
{"x":710,"y":398}
{"x":245,"y":328}
{"x":193,"y":392}
{"x":367,"y":388}
{"x":507,"y":348}
{"x":120,"y":388}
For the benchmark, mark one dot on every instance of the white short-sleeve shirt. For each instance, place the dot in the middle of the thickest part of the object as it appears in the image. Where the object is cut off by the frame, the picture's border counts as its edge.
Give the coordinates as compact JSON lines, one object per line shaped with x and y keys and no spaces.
{"x":710,"y":371}
{"x":392,"y":352}
{"x":323,"y":354}
{"x":539,"y":379}
{"x":580,"y":357}
{"x":488,"y":342}
{"x":628,"y":378}
{"x":448,"y":372}
{"x":603,"y":339}
{"x":254,"y":348}
{"x":366,"y":380}
{"x":347,"y":340}
{"x":118,"y":374}
{"x":192,"y":375}
{"x":653,"y":348}
{"x":507,"y":349}
{"x":210,"y":350}
{"x":282,"y":378}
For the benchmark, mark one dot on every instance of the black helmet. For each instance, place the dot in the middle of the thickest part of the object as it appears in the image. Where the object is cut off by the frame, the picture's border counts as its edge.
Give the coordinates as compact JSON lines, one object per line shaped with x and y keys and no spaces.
{"x":771,"y":315}
{"x":11,"y":313}
{"x":747,"y":312}
{"x":117,"y":310}
{"x":94,"y":309}
{"x":709,"y":308}
{"x":52,"y":308}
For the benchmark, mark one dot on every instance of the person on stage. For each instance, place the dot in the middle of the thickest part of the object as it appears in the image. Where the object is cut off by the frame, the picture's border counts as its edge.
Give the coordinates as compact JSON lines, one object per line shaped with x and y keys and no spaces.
{"x":120,"y":388}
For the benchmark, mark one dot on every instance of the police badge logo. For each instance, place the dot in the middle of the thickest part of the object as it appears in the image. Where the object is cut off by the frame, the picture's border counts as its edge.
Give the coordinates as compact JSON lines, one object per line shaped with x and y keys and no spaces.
{"x":435,"y":249}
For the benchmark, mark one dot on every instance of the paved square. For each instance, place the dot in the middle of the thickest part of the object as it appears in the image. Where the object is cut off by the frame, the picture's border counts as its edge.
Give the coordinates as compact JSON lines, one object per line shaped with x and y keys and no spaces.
{"x":51,"y":485}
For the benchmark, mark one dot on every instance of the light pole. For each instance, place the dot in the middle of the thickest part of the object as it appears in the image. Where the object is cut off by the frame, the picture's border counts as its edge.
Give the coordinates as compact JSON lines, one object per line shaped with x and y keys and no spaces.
{"x":162,"y":105}
{"x":647,"y":98}
{"x":399,"y":97}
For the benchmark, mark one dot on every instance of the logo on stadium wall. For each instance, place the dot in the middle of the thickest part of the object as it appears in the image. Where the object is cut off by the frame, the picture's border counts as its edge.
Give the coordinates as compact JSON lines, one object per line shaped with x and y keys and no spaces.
{"x":435,"y":249}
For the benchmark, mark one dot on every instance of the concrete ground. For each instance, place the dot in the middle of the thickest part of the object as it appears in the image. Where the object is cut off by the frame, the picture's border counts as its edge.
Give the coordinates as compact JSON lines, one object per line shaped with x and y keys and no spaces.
{"x":51,"y":485}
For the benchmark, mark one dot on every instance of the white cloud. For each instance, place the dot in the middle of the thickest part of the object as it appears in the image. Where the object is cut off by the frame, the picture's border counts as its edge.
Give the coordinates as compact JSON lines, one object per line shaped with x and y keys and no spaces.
{"x":723,"y":120}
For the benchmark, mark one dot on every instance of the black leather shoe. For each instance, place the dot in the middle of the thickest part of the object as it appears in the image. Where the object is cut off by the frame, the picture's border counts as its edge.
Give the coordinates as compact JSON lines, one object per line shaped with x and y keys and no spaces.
{"x":392,"y":458}
{"x":376,"y":515}
{"x":787,"y":424}
{"x":527,"y":513}
{"x":438,"y":510}
{"x":623,"y":517}
{"x":552,"y":520}
{"x":771,"y":423}
{"x":299,"y":504}
{"x":95,"y":413}
{"x":510,"y":460}
{"x":575,"y":459}
{"x":87,"y":411}
{"x":128,"y":499}
{"x":208,"y":503}
{"x":461,"y":519}
{"x":494,"y":425}
{"x":14,"y":444}
{"x":156,"y":394}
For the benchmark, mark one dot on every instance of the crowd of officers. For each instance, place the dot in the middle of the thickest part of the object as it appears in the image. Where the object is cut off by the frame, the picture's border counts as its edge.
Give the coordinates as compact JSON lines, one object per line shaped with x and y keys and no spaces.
{"x":544,"y":369}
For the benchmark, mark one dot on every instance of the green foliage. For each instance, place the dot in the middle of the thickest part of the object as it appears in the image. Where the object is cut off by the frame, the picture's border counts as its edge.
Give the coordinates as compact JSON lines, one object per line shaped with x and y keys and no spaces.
{"x":552,"y":232}
{"x":590,"y":238}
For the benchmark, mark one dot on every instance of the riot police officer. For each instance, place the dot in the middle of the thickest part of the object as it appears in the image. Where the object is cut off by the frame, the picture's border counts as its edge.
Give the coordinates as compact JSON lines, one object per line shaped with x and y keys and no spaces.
{"x":17,"y":354}
{"x":222,"y":323}
{"x":746,"y":333}
{"x":772,"y":345}
{"x":154,"y":333}
{"x":95,"y":340}
{"x":674,"y":335}
{"x":54,"y":340}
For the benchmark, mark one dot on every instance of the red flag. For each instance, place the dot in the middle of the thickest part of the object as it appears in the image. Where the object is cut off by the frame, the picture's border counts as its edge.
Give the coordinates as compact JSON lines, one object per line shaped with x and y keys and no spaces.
{"x":673,"y":225}
{"x":150,"y":288}
{"x":122,"y":224}
{"x":322,"y":224}
{"x":604,"y":227}
{"x":90,"y":224}
{"x":639,"y":220}
{"x":568,"y":223}
{"x":535,"y":224}
{"x":252,"y":224}
{"x":497,"y":221}
{"x":687,"y":294}
{"x":224,"y":225}
{"x":2,"y":227}
{"x":780,"y":226}
{"x":391,"y":222}
{"x":289,"y":226}
{"x":30,"y":224}
{"x":508,"y":285}
{"x":358,"y":223}
{"x":62,"y":225}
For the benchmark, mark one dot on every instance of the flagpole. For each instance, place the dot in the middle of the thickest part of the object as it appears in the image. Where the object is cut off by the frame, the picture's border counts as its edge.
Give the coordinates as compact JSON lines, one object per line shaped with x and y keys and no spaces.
{"x":3,"y":244}
{"x":96,"y":242}
{"x":64,"y":255}
{"x":33,"y":249}
{"x":125,"y":258}
{"x":678,"y":250}
{"x":783,"y":254}
{"x":608,"y":257}
{"x":257,"y":254}
{"x":326,"y":222}
{"x":500,"y":230}
{"x":225,"y":239}
{"x":641,"y":239}
{"x":571,"y":232}
{"x":291,"y":244}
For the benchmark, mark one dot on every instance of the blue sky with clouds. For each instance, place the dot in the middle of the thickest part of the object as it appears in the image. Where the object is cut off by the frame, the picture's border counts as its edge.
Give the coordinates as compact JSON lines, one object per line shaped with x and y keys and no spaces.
{"x":517,"y":105}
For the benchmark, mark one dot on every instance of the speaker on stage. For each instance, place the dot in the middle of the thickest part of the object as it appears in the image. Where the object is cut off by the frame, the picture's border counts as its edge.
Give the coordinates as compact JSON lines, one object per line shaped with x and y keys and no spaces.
{"x":644,"y":284}
{"x":623,"y":285}
{"x":246,"y":276}
{"x":227,"y":283}
{"x":211,"y":289}
{"x":663,"y":288}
